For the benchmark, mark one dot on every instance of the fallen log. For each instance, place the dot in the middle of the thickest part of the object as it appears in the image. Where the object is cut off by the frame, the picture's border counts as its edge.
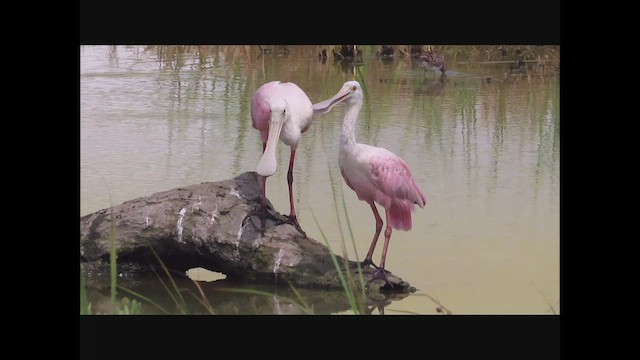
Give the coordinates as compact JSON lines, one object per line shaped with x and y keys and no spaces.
{"x":202,"y":226}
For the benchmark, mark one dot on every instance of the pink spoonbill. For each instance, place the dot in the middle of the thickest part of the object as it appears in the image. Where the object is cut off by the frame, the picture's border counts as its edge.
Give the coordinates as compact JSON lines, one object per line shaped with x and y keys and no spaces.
{"x":281,"y":111}
{"x":433,"y":61}
{"x":376,"y":174}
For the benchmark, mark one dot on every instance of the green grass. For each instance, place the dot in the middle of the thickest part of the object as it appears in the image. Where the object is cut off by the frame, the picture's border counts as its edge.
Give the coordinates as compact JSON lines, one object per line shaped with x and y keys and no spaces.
{"x":85,"y":306}
{"x":172,"y":289}
{"x":355,"y":294}
{"x":126,"y":306}
{"x":112,"y":261}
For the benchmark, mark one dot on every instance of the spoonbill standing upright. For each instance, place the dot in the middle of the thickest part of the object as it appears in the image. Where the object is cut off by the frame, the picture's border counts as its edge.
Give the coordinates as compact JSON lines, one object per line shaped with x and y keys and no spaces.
{"x":281,"y":111}
{"x":374,"y":173}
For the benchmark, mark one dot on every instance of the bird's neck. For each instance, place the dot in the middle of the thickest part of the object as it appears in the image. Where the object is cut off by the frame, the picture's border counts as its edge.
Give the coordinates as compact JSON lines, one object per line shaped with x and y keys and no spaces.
{"x":348,"y":135}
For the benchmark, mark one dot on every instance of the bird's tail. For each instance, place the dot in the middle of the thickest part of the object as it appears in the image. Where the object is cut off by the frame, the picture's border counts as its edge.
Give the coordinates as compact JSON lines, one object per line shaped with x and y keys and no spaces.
{"x":400,"y":214}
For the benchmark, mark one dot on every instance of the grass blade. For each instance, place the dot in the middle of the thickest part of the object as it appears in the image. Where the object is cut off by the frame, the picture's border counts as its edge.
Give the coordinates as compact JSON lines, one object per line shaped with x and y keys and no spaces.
{"x":112,"y":261}
{"x":144,"y":298}
{"x":84,"y":303}
{"x":353,"y":242}
{"x":204,"y":301}
{"x":350,"y":297}
{"x":175,"y":287}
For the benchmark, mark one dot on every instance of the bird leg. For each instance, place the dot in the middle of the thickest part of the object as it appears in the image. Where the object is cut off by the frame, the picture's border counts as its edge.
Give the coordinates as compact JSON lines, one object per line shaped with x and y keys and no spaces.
{"x":387,"y":237}
{"x":367,"y":260}
{"x":363,"y":264}
{"x":381,"y":272}
{"x":366,"y":263}
{"x":294,"y":222}
{"x":291,"y":218}
{"x":263,"y":212}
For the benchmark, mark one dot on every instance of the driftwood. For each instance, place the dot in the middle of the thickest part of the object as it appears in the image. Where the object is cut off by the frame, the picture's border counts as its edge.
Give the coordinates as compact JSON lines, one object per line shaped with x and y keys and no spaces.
{"x":202,"y":226}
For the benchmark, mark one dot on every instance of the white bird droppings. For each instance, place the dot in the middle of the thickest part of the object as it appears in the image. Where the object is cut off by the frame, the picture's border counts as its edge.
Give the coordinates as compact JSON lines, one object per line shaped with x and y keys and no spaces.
{"x":196,"y":206}
{"x":240,"y":231}
{"x":179,"y":225}
{"x":235,"y":193}
{"x":276,"y":264}
{"x":215,"y":215}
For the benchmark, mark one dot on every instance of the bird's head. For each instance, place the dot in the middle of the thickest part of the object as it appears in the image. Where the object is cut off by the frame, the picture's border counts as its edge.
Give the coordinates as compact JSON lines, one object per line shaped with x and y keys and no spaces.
{"x":350,"y":92}
{"x":279,"y":109}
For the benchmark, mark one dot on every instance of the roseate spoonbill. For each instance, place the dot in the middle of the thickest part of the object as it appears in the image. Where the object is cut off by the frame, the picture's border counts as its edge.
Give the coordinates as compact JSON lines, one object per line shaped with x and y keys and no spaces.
{"x":431,"y":60}
{"x":374,"y":173}
{"x":280,"y":111}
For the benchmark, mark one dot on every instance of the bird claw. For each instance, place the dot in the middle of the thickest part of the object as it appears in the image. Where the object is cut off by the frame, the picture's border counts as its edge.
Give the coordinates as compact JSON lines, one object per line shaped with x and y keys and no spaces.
{"x":263,"y":215}
{"x":278,"y":220}
{"x":249,"y":216}
{"x":381,"y":274}
{"x":368,"y":263}
{"x":293,"y":220}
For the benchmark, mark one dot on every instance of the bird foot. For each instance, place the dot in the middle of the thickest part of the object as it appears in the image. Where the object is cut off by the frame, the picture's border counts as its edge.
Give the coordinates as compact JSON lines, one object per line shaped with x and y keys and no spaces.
{"x":263,"y":215}
{"x":381,"y":274}
{"x":293,"y":220}
{"x":368,"y":263}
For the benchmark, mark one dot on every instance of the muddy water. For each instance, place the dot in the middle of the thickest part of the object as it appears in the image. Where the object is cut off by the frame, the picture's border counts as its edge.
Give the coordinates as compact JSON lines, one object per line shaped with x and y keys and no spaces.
{"x":483,"y":144}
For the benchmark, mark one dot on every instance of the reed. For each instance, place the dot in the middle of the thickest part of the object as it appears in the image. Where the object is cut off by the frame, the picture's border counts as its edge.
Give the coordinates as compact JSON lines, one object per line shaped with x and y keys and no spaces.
{"x":173,"y":56}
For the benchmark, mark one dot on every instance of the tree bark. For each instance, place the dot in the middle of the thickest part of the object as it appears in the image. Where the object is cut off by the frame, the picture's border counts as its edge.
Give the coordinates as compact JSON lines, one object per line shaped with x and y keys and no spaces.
{"x":202,"y":226}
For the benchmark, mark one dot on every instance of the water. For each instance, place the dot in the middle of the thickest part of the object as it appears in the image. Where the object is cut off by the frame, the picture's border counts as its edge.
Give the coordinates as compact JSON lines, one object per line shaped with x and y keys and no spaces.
{"x":483,"y":145}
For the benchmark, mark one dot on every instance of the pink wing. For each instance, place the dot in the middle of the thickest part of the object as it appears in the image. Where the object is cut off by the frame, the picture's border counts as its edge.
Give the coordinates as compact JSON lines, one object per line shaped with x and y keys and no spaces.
{"x":398,"y":189}
{"x":393,"y":177}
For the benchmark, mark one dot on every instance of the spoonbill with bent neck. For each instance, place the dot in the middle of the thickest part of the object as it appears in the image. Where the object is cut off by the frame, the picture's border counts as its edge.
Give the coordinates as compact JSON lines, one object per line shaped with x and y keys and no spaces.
{"x":281,"y":111}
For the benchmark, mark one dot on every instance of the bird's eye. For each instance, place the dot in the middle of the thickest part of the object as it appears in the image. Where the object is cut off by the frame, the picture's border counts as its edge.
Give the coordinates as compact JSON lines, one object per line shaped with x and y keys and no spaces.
{"x":353,"y":88}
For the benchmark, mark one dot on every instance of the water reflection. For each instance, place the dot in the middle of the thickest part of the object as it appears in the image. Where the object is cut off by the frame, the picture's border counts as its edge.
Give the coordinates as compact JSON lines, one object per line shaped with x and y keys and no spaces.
{"x":431,"y":87}
{"x":228,"y":298}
